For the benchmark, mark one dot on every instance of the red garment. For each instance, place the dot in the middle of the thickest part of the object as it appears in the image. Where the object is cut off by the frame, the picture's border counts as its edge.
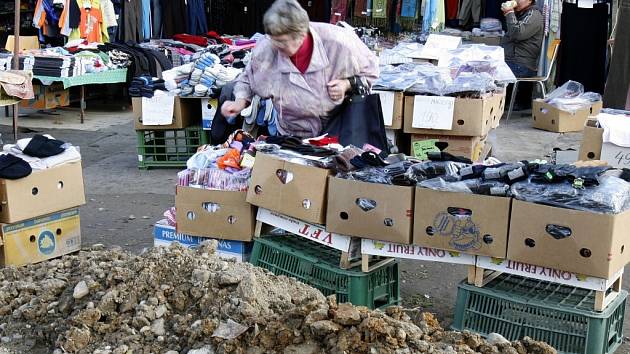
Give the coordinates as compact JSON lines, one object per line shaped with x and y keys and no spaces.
{"x":215,"y":35}
{"x":324,"y":141}
{"x":302,"y":58}
{"x":187,"y":38}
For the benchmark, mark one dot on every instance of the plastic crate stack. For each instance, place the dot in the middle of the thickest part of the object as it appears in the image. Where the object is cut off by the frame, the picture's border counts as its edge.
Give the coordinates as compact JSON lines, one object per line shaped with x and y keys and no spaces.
{"x":318,"y":266}
{"x":169,"y":146}
{"x":560,"y":315}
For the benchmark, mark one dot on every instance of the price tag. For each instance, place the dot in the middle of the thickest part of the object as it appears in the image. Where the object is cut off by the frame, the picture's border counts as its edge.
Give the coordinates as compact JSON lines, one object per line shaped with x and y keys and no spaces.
{"x":433,"y":112}
{"x":423,"y":147}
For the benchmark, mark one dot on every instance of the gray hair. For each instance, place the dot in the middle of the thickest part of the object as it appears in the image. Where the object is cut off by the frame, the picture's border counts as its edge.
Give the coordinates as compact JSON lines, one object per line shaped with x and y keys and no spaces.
{"x":286,"y":17}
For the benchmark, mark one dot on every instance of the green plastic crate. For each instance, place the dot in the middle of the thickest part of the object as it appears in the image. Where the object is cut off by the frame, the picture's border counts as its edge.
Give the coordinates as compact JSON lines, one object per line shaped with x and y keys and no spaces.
{"x":168,"y":148}
{"x":559,"y":315}
{"x":318,"y":266}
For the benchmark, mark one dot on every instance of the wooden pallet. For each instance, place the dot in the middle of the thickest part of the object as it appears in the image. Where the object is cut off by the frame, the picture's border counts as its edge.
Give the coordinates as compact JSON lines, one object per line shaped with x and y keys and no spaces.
{"x":480,"y":277}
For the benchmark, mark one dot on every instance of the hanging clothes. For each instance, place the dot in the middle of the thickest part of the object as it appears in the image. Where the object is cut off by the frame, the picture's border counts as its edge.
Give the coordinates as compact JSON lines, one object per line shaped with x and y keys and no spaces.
{"x":156,"y":12}
{"x":318,"y":10}
{"x":197,"y":23}
{"x":469,"y":10}
{"x":260,"y":8}
{"x":339,"y":11}
{"x":430,"y":15}
{"x":452,"y":7}
{"x":617,"y":92}
{"x":132,"y":21}
{"x":146,"y":19}
{"x":175,"y":18}
{"x":583,"y":36}
{"x":492,"y":9}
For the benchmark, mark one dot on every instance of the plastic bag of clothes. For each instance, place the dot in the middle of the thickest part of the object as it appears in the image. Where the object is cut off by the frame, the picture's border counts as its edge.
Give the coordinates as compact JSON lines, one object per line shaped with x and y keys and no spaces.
{"x":571,"y":97}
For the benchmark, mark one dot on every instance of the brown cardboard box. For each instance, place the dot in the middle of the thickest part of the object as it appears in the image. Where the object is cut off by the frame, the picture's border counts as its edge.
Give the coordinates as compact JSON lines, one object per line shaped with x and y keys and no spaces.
{"x":386,"y":212}
{"x":187,"y":112}
{"x":595,"y":247}
{"x":495,"y":41}
{"x":471,"y":116}
{"x":591,"y":147}
{"x":40,"y":238}
{"x":469,"y":147}
{"x":438,"y":225}
{"x":288,"y":188}
{"x":234,"y":218}
{"x":48,"y":97}
{"x":499,"y":102}
{"x":397,"y":107}
{"x":42,"y":192}
{"x":550,"y":118}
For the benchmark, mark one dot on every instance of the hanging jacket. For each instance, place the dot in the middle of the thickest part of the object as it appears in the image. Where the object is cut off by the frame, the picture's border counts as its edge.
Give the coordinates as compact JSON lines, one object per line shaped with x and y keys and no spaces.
{"x":523,"y":40}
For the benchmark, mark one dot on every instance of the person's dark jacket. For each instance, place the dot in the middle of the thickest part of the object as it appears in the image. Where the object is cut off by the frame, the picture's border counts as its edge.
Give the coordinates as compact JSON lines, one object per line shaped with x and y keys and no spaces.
{"x":523,"y":39}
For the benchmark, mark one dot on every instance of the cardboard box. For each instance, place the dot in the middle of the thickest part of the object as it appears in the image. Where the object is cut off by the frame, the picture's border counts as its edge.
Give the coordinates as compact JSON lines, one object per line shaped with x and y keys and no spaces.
{"x":595,"y":244}
{"x":469,"y":223}
{"x":164,"y":235}
{"x":495,"y":41}
{"x":392,"y":104}
{"x":550,"y":118}
{"x":470,"y":147}
{"x":593,"y":147}
{"x":288,"y":188}
{"x":546,"y":274}
{"x":41,"y":238}
{"x":213,"y":213}
{"x":499,"y":101}
{"x":48,"y":97}
{"x":370,"y":210}
{"x":592,"y":141}
{"x":471,"y":116}
{"x":396,"y":250}
{"x":42,"y":192}
{"x":186,"y":112}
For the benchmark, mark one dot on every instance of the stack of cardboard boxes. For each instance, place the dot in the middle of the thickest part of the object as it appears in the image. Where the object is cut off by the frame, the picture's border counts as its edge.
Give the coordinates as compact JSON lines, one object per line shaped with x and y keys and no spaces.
{"x":456,"y":125}
{"x":40,"y":216}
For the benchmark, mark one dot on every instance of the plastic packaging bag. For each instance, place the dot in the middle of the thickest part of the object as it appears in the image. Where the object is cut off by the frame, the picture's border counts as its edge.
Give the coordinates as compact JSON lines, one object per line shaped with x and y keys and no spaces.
{"x":432,"y":169}
{"x":571,"y":97}
{"x":611,"y":196}
{"x":370,"y":175}
{"x":472,"y":186}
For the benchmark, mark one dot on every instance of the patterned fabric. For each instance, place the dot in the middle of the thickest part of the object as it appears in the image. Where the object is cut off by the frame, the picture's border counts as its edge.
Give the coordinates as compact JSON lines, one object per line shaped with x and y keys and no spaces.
{"x":379,"y":8}
{"x":105,"y":77}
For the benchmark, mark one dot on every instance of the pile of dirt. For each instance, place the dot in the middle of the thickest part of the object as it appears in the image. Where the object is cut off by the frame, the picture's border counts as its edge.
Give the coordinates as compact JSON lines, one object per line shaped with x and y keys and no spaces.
{"x":175,"y":300}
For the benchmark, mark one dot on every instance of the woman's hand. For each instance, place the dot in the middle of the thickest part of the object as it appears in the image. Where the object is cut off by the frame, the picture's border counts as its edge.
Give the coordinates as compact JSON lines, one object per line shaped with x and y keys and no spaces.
{"x":337,"y":89}
{"x":233,"y":108}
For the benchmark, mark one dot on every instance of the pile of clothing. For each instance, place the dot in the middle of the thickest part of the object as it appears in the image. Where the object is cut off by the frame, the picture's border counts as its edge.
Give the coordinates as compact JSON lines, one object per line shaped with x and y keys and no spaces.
{"x":37,"y":153}
{"x":145,"y":86}
{"x":224,"y":167}
{"x":489,"y":27}
{"x":16,"y":84}
{"x":203,"y":78}
{"x":571,"y":97}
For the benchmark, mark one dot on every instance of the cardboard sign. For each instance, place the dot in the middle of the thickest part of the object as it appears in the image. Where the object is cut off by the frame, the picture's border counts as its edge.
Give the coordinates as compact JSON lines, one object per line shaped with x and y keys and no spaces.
{"x":438,"y":44}
{"x":433,"y":112}
{"x":546,"y":273}
{"x":309,"y":231}
{"x":208,"y":110}
{"x":390,"y":249}
{"x":616,"y":156}
{"x":158,"y":110}
{"x":387,"y":103}
{"x":422,"y":148}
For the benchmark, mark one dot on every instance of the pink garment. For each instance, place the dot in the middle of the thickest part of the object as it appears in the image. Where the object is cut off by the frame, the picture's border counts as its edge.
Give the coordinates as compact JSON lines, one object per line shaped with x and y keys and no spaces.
{"x":302,"y":100}
{"x":628,"y":100}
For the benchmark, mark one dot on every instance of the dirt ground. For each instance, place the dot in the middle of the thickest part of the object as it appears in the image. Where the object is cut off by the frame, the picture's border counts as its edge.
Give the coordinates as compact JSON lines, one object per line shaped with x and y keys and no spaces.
{"x":123,"y":202}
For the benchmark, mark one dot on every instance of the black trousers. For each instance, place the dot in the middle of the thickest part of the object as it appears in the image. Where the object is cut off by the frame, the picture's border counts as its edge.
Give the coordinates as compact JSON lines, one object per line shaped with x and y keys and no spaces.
{"x":584,"y":33}
{"x":618,"y":82}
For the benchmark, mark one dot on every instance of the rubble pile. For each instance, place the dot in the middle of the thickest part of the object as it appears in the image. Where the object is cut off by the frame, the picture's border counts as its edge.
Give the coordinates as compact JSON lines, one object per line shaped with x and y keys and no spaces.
{"x":175,"y":300}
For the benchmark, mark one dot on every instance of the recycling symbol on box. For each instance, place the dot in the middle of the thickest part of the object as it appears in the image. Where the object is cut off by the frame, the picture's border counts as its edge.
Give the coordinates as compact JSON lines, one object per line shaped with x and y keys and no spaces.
{"x":46,"y":243}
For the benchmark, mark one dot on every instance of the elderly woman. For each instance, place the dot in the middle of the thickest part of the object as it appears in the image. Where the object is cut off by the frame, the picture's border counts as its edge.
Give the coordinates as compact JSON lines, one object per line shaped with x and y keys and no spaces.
{"x":306,"y":68}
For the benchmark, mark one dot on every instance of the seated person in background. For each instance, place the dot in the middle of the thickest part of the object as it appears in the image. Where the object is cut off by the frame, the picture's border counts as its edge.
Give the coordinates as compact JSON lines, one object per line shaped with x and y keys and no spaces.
{"x":522,"y":44}
{"x":523,"y":40}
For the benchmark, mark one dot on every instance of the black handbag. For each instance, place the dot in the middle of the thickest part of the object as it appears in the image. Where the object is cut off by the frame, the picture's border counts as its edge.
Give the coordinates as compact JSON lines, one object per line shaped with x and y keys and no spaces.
{"x":359,"y":120}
